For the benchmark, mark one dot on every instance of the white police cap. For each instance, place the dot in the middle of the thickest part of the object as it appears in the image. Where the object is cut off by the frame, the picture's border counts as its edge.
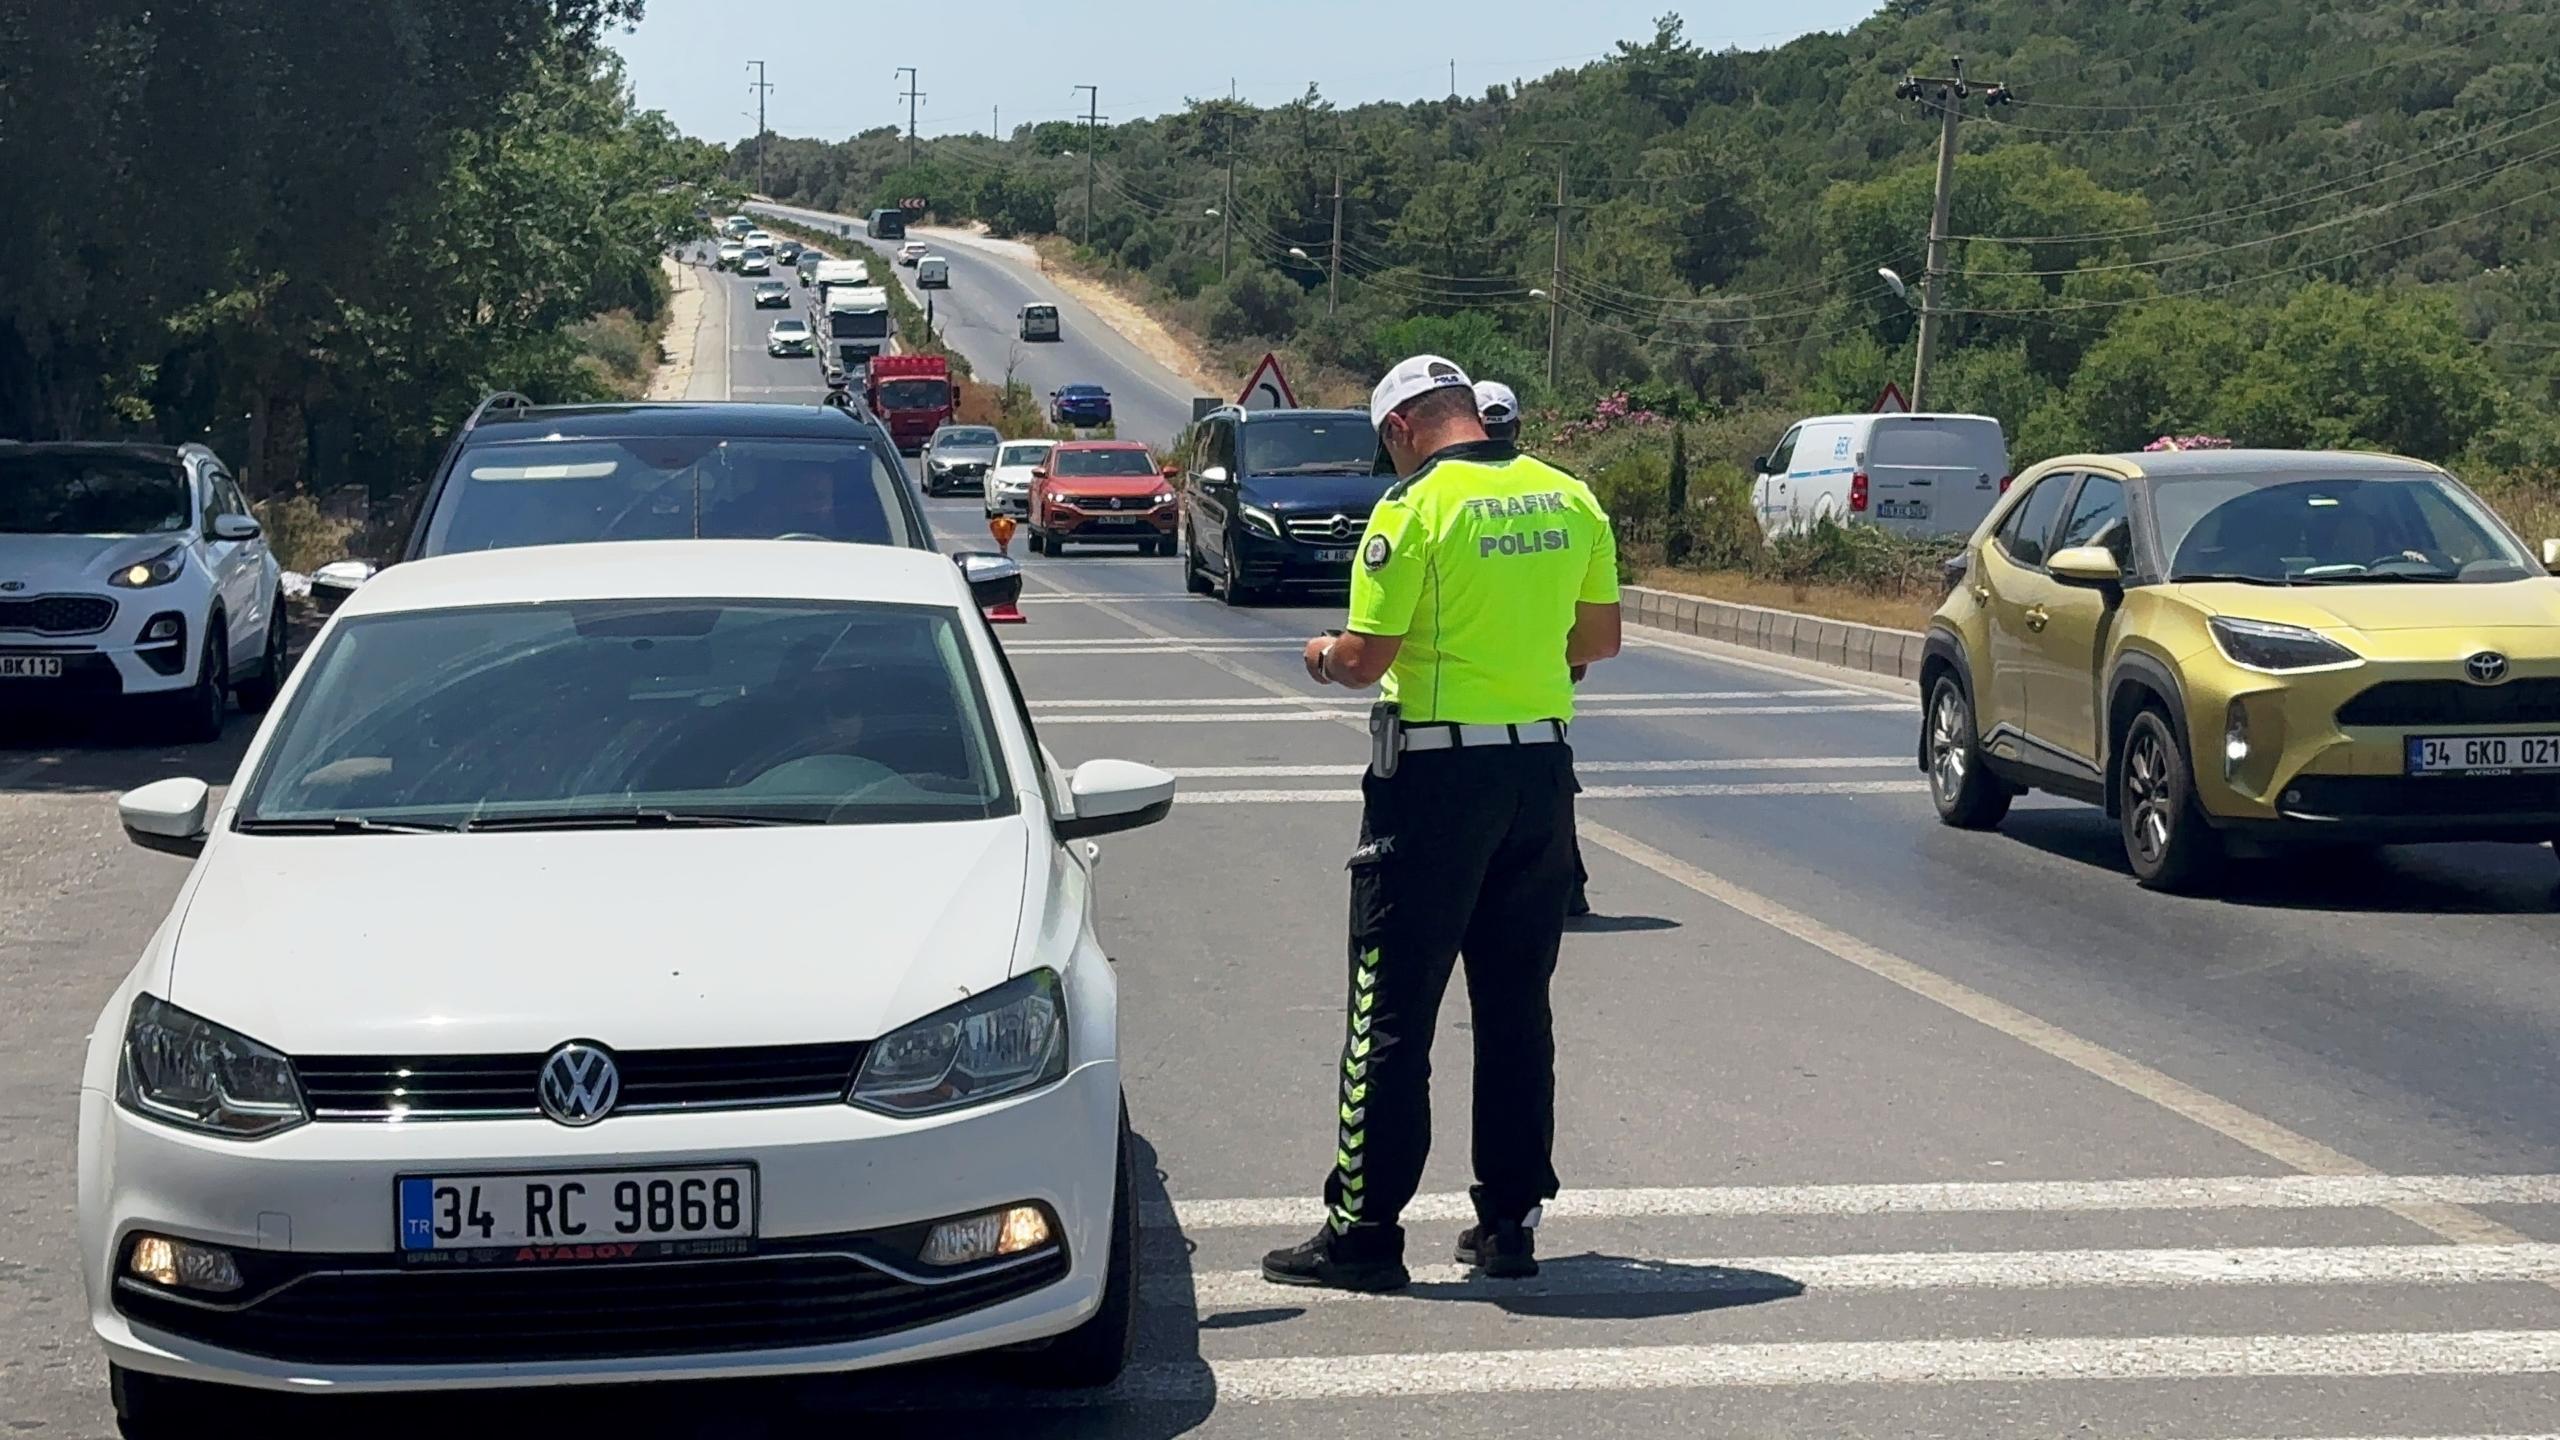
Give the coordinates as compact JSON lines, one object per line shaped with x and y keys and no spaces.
{"x":1412,"y":378}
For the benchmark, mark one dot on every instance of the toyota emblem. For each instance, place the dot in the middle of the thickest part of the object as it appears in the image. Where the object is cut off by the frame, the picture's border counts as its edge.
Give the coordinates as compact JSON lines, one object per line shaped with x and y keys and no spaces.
{"x":1341,"y":527}
{"x":579,"y":1085}
{"x":2486,"y":668}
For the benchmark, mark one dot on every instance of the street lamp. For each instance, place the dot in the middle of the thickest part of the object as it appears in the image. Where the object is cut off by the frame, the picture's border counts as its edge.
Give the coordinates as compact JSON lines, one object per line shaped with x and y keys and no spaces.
{"x":1298,"y":254}
{"x":1539,"y":295}
{"x":1211,"y":212}
{"x":1893,"y":281}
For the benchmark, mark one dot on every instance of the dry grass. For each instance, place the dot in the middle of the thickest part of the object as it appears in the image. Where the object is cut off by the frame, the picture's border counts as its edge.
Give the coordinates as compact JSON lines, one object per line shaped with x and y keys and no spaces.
{"x":1831,"y":602}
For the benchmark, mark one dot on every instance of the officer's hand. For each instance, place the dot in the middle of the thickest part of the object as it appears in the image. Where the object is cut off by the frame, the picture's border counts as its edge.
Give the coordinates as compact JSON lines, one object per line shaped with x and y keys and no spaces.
{"x":1315,"y":658}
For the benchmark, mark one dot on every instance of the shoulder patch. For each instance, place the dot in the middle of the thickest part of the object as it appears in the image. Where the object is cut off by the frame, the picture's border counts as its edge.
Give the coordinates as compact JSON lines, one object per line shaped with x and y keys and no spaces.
{"x":1377,"y":552}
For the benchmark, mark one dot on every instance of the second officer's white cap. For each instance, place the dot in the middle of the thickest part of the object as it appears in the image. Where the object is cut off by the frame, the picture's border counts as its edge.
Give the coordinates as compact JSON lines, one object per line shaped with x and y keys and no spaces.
{"x":1495,"y":402}
{"x":1410,"y":379}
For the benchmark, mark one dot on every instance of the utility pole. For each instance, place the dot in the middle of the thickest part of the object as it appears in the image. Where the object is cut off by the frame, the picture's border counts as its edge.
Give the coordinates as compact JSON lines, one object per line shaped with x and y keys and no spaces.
{"x":761,"y":89}
{"x":1333,"y":260}
{"x":1453,"y":79}
{"x":1948,"y":93}
{"x":1555,"y":272}
{"x":1227,"y":205}
{"x":995,"y":126}
{"x":1092,"y":132}
{"x":911,"y":96}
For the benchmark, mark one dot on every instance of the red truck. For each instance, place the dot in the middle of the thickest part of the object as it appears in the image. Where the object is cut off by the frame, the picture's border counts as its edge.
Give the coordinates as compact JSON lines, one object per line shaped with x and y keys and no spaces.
{"x":912,"y":395}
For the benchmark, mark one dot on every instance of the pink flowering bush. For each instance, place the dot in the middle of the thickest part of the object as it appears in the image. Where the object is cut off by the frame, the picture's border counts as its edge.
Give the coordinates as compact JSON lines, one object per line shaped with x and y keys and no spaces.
{"x":2189,"y":442}
{"x":1615,"y":412}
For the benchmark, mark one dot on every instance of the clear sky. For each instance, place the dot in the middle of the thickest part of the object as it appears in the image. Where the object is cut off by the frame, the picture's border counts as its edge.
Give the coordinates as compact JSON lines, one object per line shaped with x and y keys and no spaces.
{"x":690,"y":57}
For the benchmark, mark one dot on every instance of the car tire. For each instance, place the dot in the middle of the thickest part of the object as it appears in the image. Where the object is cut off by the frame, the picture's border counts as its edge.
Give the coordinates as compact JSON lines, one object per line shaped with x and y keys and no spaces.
{"x":1967,"y":795}
{"x":1194,"y":579}
{"x":1094,"y":1353}
{"x":1031,"y":541}
{"x":159,"y":1407}
{"x":197,"y":713}
{"x":1233,"y":590}
{"x":2166,"y":839}
{"x":259,"y":692}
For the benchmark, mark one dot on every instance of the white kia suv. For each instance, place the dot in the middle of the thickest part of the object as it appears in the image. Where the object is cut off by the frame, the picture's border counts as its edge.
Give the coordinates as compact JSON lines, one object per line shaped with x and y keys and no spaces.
{"x":769,"y":1032}
{"x":134,"y":572}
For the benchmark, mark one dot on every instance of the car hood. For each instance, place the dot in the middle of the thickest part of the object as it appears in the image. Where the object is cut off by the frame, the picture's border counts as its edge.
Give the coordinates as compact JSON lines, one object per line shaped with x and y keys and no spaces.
{"x":508,"y":943}
{"x":51,"y":562}
{"x":2373,"y":609}
{"x":1108,"y":486}
{"x":1328,"y":493}
{"x":1012,"y":474}
{"x":965,"y":455}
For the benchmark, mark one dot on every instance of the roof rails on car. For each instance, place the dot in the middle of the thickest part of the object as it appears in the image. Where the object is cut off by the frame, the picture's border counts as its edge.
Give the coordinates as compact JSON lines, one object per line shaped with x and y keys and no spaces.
{"x":498,"y":400}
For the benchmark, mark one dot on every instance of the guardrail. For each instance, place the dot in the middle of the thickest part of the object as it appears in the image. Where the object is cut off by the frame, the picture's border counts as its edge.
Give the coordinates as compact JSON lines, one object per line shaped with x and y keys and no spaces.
{"x":1875,"y":649}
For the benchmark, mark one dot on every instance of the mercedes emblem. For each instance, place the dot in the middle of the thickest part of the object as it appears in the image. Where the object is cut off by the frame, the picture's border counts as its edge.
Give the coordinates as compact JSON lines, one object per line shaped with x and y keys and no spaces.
{"x":2486,"y":668}
{"x":579,"y":1084}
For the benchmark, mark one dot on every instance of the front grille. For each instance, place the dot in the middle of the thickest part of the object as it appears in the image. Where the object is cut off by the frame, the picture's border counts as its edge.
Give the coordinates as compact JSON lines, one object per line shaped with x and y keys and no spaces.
{"x":502,"y":1087}
{"x":366,"y":1310}
{"x":58,"y":614}
{"x":2422,"y":797}
{"x":1107,"y":504}
{"x":2409,"y":704}
{"x":1327,"y":529}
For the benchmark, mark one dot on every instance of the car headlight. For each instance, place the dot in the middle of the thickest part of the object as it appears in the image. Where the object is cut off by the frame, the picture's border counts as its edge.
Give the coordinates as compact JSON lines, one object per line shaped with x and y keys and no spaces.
{"x":160,"y":569}
{"x":2260,"y":645}
{"x":1260,"y":519}
{"x":184,"y":1070}
{"x":1002,"y":1042}
{"x":1163,"y":498}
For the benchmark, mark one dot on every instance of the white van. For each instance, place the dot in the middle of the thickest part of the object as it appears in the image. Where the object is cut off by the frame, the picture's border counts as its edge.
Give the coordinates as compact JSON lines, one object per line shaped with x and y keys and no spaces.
{"x":933,"y":273}
{"x":1918,"y":474}
{"x":1038,"y":321}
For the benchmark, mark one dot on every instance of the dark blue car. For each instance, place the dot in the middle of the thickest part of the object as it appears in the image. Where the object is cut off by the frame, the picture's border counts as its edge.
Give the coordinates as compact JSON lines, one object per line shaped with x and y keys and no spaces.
{"x":1080,"y":405}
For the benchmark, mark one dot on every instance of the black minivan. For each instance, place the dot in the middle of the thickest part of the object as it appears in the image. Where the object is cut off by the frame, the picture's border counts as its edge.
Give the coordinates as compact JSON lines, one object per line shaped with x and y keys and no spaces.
{"x":1277,"y":499}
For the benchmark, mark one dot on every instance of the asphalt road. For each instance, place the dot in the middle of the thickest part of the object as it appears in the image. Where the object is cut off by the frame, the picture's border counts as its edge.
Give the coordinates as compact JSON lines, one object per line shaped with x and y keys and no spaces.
{"x":989,"y":284}
{"x":1869,"y":1128}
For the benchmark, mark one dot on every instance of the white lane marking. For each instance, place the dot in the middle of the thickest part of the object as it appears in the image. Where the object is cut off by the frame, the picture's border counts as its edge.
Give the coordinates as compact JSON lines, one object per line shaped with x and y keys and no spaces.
{"x":1926,"y":1271}
{"x":1358,"y":703}
{"x":1580,"y":767}
{"x":1627,"y":1369}
{"x":1952,"y":1197}
{"x":1589,"y":792}
{"x":1227,"y":717}
{"x":2265,"y":1136}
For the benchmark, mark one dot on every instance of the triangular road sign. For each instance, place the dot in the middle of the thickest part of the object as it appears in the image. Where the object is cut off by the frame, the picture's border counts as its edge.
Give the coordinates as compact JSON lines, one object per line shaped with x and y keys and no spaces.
{"x":1891,"y":401}
{"x":1267,"y":389}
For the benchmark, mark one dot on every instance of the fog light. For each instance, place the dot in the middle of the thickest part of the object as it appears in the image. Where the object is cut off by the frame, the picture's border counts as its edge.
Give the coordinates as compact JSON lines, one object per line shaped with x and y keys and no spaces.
{"x":2235,"y":740}
{"x":167,"y":627}
{"x":183,"y":1265}
{"x":986,"y":1237}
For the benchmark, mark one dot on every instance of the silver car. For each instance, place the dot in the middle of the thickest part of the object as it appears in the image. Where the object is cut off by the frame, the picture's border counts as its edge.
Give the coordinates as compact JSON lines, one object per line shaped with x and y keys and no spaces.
{"x":958,"y":457}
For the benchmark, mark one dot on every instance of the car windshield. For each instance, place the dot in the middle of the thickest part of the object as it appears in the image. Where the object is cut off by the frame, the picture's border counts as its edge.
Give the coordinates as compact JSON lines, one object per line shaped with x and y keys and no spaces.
{"x":1309,"y":445}
{"x":616,"y":712}
{"x":2291,"y":529}
{"x":1021,"y":455}
{"x":1079,"y":463}
{"x":913,"y":394}
{"x":790,"y":327}
{"x":665,"y":487}
{"x":969,"y":436}
{"x":76,"y":494}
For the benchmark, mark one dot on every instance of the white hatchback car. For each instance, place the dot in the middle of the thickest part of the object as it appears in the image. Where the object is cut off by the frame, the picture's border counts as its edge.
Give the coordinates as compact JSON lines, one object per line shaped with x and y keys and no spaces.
{"x":134,"y":574}
{"x":761,"y":1026}
{"x":1009,"y":483}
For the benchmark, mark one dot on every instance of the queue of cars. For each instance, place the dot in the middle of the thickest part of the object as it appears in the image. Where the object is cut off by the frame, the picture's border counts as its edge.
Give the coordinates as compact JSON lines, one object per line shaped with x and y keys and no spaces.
{"x":533,"y":1139}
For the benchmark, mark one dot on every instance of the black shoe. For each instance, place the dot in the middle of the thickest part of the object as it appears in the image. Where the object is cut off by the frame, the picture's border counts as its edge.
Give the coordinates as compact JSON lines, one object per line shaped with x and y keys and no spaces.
{"x":1322,"y":1262}
{"x":1503,"y":1250}
{"x":1578,"y":906}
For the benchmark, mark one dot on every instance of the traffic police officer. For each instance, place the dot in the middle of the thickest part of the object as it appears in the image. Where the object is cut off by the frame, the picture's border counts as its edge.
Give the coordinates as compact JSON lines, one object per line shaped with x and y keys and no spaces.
{"x":1484,"y":577}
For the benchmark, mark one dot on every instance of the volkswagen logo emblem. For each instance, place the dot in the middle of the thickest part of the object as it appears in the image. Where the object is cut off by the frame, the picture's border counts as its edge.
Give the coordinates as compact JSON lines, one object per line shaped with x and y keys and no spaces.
{"x":2486,"y":668}
{"x":579,"y":1084}
{"x":13,"y":584}
{"x":1341,"y":527}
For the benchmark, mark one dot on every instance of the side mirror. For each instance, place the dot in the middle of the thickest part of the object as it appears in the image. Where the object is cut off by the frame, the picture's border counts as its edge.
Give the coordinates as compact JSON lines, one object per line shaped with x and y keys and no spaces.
{"x":332,"y":583}
{"x":1760,"y":465}
{"x":1115,"y":795}
{"x":168,"y":815}
{"x":995,"y":582}
{"x":1951,"y":574}
{"x":2085,"y":565}
{"x":1214,"y":475}
{"x":1171,"y":472}
{"x":1039,"y":472}
{"x":2551,"y":556}
{"x":235,"y":527}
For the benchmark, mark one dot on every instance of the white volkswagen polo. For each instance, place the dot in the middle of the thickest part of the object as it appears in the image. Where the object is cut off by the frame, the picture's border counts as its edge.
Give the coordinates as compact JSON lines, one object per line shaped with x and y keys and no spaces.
{"x":616,"y":962}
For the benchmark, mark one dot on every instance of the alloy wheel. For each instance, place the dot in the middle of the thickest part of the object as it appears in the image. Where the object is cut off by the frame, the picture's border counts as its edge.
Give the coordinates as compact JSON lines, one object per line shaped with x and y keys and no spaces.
{"x":2146,"y":796}
{"x":1948,"y":726}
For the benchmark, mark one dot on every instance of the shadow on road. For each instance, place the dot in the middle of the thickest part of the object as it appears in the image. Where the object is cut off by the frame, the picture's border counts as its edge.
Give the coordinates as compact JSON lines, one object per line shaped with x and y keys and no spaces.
{"x":2398,"y":880}
{"x":1598,"y":924}
{"x":71,"y":756}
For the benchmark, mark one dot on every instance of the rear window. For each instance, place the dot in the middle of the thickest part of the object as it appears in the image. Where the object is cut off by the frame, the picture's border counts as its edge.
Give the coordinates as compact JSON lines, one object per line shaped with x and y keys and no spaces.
{"x":565,"y":492}
{"x":1075,"y":463}
{"x":1950,"y":444}
{"x":74,"y":494}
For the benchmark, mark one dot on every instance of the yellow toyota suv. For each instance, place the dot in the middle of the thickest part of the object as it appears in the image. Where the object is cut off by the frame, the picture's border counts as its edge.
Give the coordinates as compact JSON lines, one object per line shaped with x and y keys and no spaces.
{"x":2286,"y":645}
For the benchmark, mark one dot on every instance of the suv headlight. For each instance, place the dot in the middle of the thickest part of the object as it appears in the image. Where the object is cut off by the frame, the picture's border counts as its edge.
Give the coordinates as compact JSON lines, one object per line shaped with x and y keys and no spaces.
{"x":160,"y":569}
{"x":2260,"y":645}
{"x":184,"y":1070}
{"x":1260,"y":519}
{"x":1002,"y":1042}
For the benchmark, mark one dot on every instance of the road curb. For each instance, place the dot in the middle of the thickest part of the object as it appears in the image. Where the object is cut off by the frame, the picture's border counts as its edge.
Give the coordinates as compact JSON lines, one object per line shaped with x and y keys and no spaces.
{"x":1875,"y":649}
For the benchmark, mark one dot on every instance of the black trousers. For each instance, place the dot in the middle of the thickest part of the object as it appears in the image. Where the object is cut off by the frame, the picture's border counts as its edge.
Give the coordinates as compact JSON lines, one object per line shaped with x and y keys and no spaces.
{"x":1465,"y":854}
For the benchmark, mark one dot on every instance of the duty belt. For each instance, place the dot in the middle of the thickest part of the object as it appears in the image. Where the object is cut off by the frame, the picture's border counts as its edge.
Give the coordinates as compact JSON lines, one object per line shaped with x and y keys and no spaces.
{"x":1428,"y":736}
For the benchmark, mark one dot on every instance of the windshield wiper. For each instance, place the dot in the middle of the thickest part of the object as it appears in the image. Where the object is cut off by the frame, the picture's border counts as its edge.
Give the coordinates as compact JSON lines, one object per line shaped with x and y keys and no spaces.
{"x":2382,"y":577}
{"x":1322,"y":467}
{"x":2191,"y":577}
{"x":633,"y":820}
{"x":339,"y":825}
